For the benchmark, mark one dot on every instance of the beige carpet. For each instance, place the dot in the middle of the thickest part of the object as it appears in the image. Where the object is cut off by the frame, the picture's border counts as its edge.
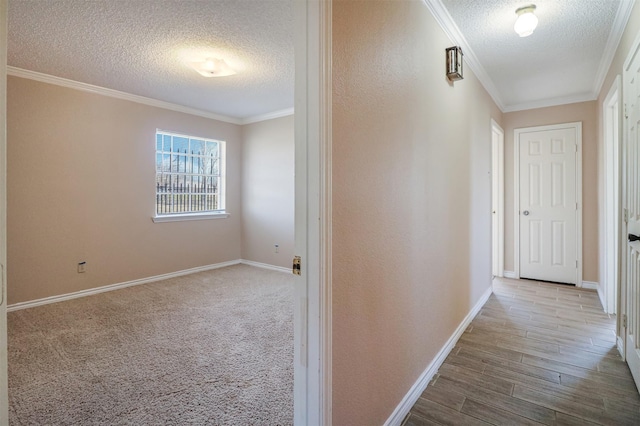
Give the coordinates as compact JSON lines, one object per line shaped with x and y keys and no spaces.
{"x":209,"y":348}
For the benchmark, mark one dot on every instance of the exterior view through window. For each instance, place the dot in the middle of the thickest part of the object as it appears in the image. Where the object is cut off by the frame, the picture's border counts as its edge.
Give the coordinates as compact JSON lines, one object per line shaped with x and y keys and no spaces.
{"x":189,"y":174}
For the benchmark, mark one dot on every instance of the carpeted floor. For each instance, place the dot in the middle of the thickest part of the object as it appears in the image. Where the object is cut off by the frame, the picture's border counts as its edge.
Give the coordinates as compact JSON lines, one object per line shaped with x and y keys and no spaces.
{"x":209,"y":348}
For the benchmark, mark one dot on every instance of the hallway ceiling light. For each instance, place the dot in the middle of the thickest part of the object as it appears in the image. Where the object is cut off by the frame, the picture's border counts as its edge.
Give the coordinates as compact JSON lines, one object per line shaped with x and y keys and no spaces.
{"x":213,"y":67}
{"x":527,"y":21}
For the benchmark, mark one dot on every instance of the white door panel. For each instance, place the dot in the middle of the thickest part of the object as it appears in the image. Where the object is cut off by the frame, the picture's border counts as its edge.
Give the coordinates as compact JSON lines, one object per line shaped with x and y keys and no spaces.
{"x":548,"y":204}
{"x":630,"y":272}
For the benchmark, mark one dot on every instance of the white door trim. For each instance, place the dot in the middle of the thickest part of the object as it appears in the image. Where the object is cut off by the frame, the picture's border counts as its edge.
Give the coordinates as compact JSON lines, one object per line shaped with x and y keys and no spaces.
{"x":610,"y":260}
{"x":497,"y":199}
{"x":516,"y":179}
{"x":4,"y":387}
{"x":312,"y":313}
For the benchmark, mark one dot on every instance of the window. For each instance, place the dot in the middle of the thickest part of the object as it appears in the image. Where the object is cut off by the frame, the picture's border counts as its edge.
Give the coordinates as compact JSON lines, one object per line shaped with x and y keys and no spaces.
{"x":190,"y":175}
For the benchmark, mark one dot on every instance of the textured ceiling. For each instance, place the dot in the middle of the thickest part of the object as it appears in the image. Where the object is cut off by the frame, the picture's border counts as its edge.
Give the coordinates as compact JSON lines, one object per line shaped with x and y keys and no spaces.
{"x":142,"y":47}
{"x":559,"y":62}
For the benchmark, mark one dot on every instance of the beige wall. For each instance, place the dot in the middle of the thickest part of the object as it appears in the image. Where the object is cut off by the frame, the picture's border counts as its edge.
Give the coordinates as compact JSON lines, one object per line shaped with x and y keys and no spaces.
{"x":268,"y":191}
{"x":411,"y":202}
{"x":585,"y":112}
{"x":81,"y":188}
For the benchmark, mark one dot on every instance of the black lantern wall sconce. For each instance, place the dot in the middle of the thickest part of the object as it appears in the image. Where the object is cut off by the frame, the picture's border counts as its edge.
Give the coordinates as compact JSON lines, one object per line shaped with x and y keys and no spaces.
{"x":454,"y":63}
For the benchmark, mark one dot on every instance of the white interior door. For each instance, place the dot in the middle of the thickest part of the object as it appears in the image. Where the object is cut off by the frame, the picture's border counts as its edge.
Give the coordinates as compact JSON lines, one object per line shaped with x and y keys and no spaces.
{"x":631,"y":204}
{"x":548,"y":202}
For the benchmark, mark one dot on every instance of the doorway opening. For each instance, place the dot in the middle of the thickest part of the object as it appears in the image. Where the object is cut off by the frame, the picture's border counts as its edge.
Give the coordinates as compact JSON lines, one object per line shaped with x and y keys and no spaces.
{"x":608,"y":290}
{"x":497,"y":200}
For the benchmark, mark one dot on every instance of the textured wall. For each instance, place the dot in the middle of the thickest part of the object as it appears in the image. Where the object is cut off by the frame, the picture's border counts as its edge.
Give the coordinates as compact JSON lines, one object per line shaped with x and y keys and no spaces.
{"x":411,"y":202}
{"x":81,"y":187}
{"x":586,"y":112}
{"x":267,"y":191}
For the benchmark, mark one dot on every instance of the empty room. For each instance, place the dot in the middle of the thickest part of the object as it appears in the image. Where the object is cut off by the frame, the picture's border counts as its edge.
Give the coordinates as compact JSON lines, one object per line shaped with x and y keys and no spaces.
{"x":150,"y":212}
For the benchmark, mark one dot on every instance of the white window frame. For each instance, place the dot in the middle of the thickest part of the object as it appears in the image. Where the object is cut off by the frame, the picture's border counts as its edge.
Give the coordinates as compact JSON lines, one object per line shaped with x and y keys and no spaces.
{"x":217,"y":213}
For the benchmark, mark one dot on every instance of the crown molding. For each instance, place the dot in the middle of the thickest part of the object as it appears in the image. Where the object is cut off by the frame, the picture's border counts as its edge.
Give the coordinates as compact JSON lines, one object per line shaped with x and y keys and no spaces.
{"x":444,"y":19}
{"x":619,"y":24}
{"x":59,"y":81}
{"x":564,"y":100}
{"x":268,"y":116}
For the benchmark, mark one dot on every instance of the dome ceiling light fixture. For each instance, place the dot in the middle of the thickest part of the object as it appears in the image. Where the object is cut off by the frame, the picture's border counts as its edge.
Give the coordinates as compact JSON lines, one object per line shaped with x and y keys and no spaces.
{"x":213,"y":67}
{"x":527,"y":21}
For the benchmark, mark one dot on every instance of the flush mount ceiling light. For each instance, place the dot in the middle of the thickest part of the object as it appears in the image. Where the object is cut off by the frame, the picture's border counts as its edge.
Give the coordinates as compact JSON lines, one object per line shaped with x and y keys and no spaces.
{"x":527,"y":21}
{"x":213,"y":67}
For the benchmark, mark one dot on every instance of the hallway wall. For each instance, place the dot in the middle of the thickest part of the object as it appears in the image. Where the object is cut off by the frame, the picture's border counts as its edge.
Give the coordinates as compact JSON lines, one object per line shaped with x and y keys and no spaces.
{"x":411,"y":202}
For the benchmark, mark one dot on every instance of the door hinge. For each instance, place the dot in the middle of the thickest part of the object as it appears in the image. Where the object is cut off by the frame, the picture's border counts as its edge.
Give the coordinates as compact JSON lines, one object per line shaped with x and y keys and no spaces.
{"x":295,"y":269}
{"x":625,"y":111}
{"x":576,"y":264}
{"x":624,"y":321}
{"x":626,"y":216}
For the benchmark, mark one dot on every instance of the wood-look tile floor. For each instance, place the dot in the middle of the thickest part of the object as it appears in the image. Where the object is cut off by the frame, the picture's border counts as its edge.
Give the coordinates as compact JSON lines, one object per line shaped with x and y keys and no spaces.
{"x":537,"y":353}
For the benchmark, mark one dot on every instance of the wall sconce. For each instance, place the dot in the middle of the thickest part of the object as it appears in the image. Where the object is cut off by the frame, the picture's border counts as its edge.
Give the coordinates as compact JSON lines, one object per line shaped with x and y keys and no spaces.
{"x":454,"y":63}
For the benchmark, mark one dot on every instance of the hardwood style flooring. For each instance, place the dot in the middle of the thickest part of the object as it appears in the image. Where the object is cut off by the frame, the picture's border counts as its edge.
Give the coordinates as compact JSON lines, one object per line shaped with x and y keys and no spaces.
{"x":537,"y":353}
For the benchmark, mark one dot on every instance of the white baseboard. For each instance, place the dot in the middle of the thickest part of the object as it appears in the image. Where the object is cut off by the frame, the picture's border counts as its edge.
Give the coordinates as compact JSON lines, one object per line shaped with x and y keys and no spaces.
{"x":420,"y":385}
{"x":590,"y":285}
{"x":111,"y":287}
{"x":601,"y":297}
{"x":510,"y":274}
{"x":620,"y":345}
{"x":265,"y":266}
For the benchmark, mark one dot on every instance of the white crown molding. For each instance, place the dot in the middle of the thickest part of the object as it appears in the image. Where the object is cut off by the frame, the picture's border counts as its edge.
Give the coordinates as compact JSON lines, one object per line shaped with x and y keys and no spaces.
{"x":564,"y":100}
{"x":268,"y":116}
{"x":59,"y":81}
{"x":442,"y":16}
{"x":619,"y":24}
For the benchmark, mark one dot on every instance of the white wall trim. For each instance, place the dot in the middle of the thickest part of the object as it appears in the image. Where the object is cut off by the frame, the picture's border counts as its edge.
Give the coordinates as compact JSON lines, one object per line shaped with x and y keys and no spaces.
{"x":59,"y":81}
{"x":421,"y":384}
{"x":590,"y":285}
{"x":620,"y":22}
{"x":564,"y":100}
{"x":601,"y":296}
{"x":621,"y":347}
{"x":510,"y":274}
{"x":269,"y":116}
{"x":312,"y":313}
{"x":111,"y":287}
{"x":265,"y":266}
{"x":444,"y":19}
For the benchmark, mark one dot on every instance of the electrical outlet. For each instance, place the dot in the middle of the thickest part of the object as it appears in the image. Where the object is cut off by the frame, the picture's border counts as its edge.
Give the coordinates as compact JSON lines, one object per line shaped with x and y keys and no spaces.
{"x":82,"y":267}
{"x":277,"y":248}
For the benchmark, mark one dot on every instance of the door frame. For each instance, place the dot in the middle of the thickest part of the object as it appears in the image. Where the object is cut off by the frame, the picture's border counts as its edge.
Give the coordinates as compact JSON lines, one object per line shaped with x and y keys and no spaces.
{"x":497,"y":199}
{"x":4,"y":373}
{"x":610,"y":260}
{"x":516,"y":179}
{"x":312,"y":292}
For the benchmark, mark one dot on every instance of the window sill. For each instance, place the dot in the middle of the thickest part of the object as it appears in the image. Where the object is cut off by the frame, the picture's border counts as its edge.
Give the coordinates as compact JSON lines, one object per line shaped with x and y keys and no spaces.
{"x":190,"y":216}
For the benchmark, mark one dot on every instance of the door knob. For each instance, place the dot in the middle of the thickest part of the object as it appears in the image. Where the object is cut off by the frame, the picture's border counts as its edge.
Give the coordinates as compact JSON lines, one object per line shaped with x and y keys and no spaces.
{"x":526,"y":212}
{"x":633,"y":238}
